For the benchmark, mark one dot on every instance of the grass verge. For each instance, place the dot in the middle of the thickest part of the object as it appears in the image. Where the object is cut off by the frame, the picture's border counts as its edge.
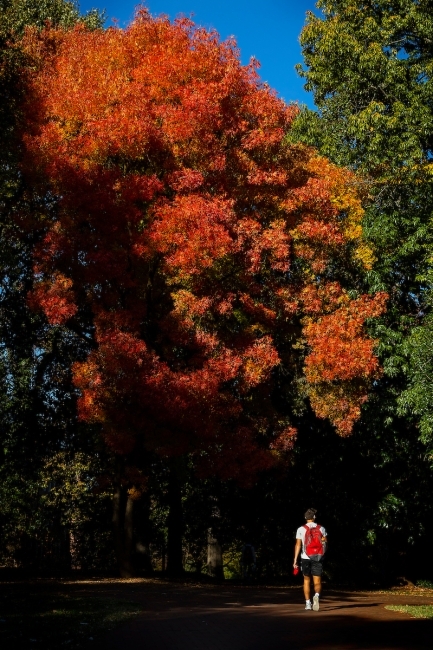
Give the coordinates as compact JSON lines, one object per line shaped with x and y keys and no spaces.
{"x":417,"y":611}
{"x":55,"y":621}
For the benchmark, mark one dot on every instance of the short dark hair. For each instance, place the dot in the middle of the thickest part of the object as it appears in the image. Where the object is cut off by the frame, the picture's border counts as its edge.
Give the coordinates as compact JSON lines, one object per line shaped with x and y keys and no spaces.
{"x":310,"y":514}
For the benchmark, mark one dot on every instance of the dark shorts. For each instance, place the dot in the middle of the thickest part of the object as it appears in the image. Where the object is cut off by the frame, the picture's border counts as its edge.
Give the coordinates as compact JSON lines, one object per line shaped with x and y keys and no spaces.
{"x":311,"y":567}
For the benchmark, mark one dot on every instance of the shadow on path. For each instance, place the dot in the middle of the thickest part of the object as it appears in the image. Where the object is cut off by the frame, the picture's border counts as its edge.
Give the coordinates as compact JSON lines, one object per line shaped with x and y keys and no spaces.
{"x":177,"y":616}
{"x":220,"y":618}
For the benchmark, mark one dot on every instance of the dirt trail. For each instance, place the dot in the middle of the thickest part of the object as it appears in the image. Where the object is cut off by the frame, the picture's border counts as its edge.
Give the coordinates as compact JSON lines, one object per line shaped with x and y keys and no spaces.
{"x":182,"y":617}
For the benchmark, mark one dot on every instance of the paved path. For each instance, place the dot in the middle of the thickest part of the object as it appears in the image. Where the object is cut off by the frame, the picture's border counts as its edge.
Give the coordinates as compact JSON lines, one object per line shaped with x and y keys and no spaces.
{"x":180,"y":617}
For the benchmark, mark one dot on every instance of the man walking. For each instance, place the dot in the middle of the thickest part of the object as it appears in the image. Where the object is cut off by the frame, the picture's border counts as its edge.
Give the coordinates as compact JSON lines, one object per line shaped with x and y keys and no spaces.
{"x":311,"y":540}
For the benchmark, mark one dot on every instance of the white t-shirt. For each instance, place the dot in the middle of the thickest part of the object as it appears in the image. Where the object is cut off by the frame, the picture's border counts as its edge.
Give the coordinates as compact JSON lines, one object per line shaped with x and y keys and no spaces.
{"x":300,"y":534}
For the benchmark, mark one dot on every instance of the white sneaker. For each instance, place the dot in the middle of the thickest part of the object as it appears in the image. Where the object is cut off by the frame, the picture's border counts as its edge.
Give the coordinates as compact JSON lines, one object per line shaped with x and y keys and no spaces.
{"x":308,"y":605}
{"x":316,"y":603}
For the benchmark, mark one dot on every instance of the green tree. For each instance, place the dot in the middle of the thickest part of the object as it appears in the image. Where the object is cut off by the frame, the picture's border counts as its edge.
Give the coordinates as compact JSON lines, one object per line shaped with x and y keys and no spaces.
{"x":16,"y":15}
{"x":418,"y":397}
{"x":369,"y":66}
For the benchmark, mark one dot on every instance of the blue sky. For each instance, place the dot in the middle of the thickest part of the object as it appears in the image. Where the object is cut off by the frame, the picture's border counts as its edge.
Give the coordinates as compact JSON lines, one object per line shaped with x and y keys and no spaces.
{"x":268,"y":30}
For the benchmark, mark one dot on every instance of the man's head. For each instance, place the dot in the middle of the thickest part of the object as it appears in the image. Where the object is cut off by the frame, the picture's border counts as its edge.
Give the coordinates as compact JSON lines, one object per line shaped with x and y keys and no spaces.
{"x":310,"y":514}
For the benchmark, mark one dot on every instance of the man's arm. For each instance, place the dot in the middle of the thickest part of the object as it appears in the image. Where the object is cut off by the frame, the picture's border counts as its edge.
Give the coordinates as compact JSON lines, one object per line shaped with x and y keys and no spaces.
{"x":324,"y":538}
{"x":298,"y":547}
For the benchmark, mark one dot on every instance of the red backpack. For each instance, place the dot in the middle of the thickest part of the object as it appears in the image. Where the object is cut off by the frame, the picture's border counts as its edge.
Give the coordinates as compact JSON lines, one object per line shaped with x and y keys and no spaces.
{"x":313,"y":545}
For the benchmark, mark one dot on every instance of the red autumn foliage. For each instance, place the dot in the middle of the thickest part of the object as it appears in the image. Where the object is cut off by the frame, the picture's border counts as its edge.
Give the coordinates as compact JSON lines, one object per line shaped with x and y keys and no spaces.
{"x":197,"y":236}
{"x":56,"y":298}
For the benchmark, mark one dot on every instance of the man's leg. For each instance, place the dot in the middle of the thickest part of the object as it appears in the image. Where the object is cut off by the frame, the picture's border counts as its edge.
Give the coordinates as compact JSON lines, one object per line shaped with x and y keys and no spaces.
{"x":317,"y":580}
{"x":307,"y":583}
{"x":306,"y":571}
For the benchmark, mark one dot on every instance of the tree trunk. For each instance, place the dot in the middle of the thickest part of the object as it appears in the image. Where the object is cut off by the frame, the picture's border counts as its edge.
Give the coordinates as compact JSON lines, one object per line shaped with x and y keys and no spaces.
{"x":123,"y":525}
{"x":117,"y":523}
{"x":74,"y":550}
{"x":214,"y":556}
{"x":163,"y":559}
{"x":175,"y":523}
{"x":142,"y":532}
{"x":127,"y":569}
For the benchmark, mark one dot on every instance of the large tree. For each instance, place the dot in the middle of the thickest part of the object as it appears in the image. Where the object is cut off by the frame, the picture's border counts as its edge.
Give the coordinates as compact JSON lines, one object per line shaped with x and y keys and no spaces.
{"x":203,"y":244}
